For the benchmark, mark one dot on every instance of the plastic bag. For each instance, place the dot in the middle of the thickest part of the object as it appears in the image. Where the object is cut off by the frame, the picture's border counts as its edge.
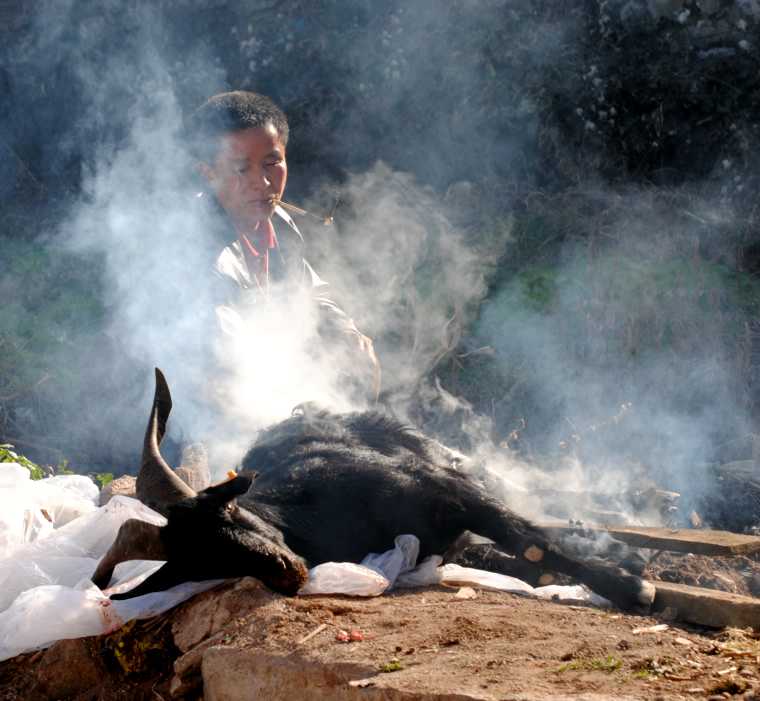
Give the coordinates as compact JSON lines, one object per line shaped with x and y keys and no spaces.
{"x":70,"y":553}
{"x":20,"y":518}
{"x":376,"y":573}
{"x":344,"y":578}
{"x":42,"y":615}
{"x":45,"y":590}
{"x":426,"y":573}
{"x":66,"y":497}
{"x":454,"y":575}
{"x":12,"y":474}
{"x":31,"y":509}
{"x":572,"y":592}
{"x":392,"y":563}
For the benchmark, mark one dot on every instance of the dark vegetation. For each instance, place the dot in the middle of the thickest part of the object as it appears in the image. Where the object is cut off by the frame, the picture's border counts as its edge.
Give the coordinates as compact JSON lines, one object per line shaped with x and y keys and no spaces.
{"x":608,"y":149}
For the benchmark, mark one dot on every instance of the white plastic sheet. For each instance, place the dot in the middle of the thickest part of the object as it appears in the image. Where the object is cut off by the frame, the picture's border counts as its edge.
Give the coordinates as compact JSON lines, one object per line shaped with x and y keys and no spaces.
{"x":45,"y":588}
{"x":398,"y":568}
{"x":454,"y":575}
{"x":345,"y":578}
{"x":42,"y":615}
{"x":376,"y":574}
{"x":392,"y":563}
{"x":31,"y":510}
{"x":68,"y":554}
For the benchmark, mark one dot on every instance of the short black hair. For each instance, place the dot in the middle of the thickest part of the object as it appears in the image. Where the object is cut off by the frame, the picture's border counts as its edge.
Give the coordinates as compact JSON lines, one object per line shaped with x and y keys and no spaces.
{"x":232,"y":111}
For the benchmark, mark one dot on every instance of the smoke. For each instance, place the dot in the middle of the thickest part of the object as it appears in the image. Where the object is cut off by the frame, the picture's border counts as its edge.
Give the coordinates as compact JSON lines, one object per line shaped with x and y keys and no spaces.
{"x":613,"y":369}
{"x":627,"y":348}
{"x":402,"y":268}
{"x":397,"y":265}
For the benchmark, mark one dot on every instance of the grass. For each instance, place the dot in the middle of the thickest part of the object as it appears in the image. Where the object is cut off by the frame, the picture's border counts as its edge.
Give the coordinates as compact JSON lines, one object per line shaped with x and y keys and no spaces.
{"x":608,"y":664}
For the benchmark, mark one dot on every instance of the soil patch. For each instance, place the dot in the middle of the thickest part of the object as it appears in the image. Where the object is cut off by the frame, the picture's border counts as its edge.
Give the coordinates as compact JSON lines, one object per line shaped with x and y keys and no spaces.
{"x":430,"y":642}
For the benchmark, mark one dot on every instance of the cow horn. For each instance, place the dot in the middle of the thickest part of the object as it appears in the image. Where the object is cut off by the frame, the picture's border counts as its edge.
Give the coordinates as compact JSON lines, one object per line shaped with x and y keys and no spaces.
{"x":158,"y":486}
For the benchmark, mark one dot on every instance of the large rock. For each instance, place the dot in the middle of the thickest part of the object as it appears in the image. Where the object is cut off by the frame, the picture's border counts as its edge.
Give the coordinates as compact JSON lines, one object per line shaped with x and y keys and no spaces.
{"x":68,"y":668}
{"x":193,"y":469}
{"x":123,"y":486}
{"x":240,"y":675}
{"x":209,"y":612}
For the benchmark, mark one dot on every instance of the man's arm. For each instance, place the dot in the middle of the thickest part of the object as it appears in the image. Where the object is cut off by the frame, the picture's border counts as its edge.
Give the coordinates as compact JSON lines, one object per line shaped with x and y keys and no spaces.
{"x":336,"y":324}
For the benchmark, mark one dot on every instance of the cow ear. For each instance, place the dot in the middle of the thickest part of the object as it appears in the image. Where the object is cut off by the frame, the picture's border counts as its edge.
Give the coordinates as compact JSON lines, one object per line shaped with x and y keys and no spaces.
{"x":220,"y":494}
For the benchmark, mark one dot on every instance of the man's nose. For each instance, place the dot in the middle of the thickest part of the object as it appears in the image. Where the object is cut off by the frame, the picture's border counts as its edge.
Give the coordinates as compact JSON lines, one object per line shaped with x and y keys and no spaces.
{"x":257,"y":179}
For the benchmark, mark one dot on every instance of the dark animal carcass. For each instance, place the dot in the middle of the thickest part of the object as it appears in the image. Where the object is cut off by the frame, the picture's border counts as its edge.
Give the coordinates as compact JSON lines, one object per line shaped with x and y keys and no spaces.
{"x":334,"y":487}
{"x":207,"y":535}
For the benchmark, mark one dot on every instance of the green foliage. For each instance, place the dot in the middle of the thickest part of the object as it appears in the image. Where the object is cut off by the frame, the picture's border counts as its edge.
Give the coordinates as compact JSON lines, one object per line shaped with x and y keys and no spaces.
{"x":53,"y":307}
{"x":7,"y":454}
{"x":392,"y":666}
{"x":103,"y":478}
{"x":608,"y":664}
{"x":63,"y":468}
{"x":637,"y":305}
{"x":538,"y":287}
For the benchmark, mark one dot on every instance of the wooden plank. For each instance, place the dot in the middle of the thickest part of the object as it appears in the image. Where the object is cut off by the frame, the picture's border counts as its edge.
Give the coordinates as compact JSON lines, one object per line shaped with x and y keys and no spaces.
{"x":707,"y":607}
{"x":682,"y":540}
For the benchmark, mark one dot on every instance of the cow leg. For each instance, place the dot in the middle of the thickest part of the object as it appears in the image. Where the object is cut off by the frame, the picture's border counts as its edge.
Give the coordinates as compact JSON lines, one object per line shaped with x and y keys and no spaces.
{"x":529,"y":543}
{"x":472,"y":550}
{"x":136,"y":540}
{"x":614,"y":583}
{"x":165,"y":577}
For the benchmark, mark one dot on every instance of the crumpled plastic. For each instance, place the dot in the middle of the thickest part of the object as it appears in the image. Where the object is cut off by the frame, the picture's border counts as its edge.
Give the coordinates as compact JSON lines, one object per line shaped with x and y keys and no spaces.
{"x":398,"y":568}
{"x":345,"y":578}
{"x":30,"y":510}
{"x":70,"y":553}
{"x":40,"y":616}
{"x":45,"y":589}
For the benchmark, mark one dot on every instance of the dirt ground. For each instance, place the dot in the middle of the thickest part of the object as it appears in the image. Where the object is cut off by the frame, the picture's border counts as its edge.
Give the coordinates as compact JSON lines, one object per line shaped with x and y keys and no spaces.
{"x":491,"y":646}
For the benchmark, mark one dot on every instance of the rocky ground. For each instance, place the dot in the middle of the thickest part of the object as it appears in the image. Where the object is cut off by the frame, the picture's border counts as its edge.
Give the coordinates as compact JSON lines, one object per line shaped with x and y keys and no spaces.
{"x":241,"y":642}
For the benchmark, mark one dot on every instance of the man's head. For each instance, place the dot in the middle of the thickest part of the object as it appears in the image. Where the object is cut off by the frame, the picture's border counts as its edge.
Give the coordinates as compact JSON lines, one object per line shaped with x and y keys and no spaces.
{"x":240,"y":139}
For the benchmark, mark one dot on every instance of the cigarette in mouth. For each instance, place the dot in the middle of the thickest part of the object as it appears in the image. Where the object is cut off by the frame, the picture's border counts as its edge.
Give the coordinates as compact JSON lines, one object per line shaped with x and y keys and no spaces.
{"x":302,"y":212}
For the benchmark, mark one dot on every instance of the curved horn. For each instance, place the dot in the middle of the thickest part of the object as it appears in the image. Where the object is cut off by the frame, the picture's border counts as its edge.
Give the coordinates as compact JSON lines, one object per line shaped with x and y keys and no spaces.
{"x":158,"y":486}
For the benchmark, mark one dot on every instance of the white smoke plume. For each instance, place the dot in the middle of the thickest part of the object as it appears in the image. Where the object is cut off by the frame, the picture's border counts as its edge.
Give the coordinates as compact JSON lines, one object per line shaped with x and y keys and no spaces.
{"x":409,"y":277}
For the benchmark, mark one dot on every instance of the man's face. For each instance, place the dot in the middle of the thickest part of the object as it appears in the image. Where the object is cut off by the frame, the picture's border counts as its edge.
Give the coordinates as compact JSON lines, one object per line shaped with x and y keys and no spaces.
{"x":248,"y":174}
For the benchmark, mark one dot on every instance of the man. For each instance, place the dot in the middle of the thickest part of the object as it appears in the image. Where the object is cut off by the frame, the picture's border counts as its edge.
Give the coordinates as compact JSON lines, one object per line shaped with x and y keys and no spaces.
{"x":240,"y":139}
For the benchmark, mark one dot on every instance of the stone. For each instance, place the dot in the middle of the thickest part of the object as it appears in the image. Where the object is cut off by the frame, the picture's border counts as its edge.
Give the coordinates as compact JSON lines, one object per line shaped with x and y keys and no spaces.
{"x":68,"y":668}
{"x":707,"y":607}
{"x":239,"y":675}
{"x":124,"y":486}
{"x":194,"y":470}
{"x":209,"y":612}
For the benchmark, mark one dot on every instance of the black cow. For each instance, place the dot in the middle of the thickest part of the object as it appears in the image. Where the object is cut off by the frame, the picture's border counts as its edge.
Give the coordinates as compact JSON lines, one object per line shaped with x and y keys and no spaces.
{"x":330,"y":487}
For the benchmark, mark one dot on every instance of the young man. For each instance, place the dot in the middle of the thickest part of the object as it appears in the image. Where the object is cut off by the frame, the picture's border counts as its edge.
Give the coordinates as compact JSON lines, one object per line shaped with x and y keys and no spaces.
{"x":240,"y":139}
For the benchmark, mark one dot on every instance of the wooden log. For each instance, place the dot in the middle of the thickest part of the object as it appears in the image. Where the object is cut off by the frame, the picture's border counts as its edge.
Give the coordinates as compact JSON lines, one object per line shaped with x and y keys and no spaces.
{"x":682,"y":540}
{"x":707,"y":607}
